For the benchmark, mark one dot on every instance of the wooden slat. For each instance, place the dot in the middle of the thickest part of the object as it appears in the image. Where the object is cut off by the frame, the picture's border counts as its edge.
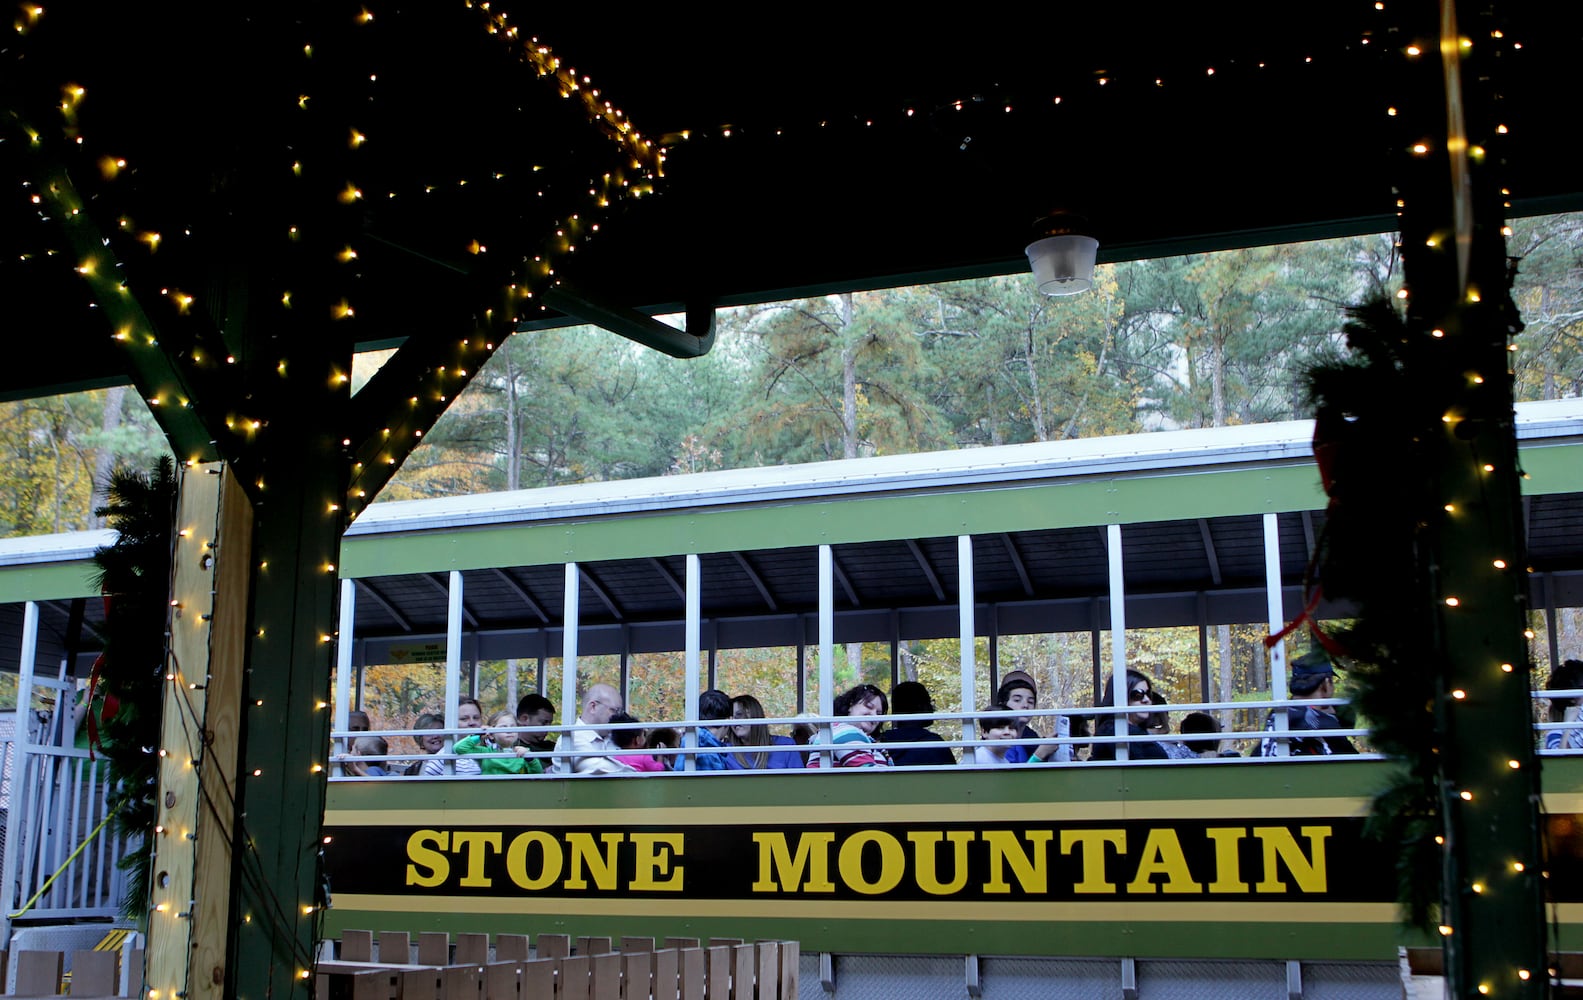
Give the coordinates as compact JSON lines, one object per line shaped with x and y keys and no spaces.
{"x":395,"y":947}
{"x":132,"y":969}
{"x":791,"y":958}
{"x":434,"y":948}
{"x":511,"y":948}
{"x":720,"y":972}
{"x":605,"y":980}
{"x":472,"y":949}
{"x":637,"y":944}
{"x":573,"y":975}
{"x":595,"y":946}
{"x":38,"y":972}
{"x":728,"y":942}
{"x":681,"y":942}
{"x":503,"y":980}
{"x":538,"y":979}
{"x":420,"y":984}
{"x":636,"y":969}
{"x":373,"y":985}
{"x":94,"y":973}
{"x":767,"y":977}
{"x":744,"y":965}
{"x":554,"y":946}
{"x":462,"y":982}
{"x":666,"y":973}
{"x":693,"y":974}
{"x":357,"y":946}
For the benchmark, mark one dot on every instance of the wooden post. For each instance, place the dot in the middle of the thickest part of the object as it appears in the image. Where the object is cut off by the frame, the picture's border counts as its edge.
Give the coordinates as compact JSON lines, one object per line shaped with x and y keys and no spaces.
{"x":666,"y":974}
{"x":190,"y":885}
{"x":693,"y":974}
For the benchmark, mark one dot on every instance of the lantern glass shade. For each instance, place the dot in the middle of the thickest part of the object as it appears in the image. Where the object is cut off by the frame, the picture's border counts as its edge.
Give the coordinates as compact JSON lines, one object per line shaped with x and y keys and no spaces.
{"x":1063,"y":265}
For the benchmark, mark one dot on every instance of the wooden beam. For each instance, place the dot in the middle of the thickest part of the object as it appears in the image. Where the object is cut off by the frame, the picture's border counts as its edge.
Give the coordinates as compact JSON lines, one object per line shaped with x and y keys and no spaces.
{"x":191,"y":880}
{"x":406,"y":396}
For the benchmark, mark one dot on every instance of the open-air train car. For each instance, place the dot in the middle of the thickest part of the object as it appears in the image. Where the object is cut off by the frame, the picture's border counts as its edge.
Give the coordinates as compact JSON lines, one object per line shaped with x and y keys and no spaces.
{"x":1226,"y":875}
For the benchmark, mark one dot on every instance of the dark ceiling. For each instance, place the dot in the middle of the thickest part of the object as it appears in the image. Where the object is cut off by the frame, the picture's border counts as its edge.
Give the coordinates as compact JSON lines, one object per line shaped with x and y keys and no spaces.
{"x":829,"y":147}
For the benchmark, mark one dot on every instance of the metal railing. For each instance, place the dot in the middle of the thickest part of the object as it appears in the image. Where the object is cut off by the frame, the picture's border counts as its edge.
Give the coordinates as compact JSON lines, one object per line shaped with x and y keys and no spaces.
{"x":561,"y":761}
{"x":60,"y":853}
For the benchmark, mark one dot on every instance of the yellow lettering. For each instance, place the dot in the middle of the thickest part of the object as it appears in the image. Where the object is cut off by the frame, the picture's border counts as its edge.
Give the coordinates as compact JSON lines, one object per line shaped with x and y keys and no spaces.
{"x":1307,"y":870}
{"x":924,"y":864}
{"x":1092,"y":854}
{"x":517,"y":860}
{"x":781,"y":871}
{"x":420,"y":854}
{"x":468,"y":843}
{"x":1029,"y":869}
{"x":892,"y":862}
{"x":602,"y":867}
{"x":1228,"y":862}
{"x":1162,"y":855}
{"x":656,"y":856}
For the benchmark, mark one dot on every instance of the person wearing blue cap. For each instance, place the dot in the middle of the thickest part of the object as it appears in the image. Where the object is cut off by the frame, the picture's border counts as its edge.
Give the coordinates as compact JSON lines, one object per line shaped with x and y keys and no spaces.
{"x":1313,"y":677}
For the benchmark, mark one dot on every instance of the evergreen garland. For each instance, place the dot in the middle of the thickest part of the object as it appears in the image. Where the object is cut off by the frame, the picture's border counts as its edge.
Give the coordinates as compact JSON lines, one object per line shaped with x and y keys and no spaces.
{"x":1372,"y":414}
{"x":134,"y":577}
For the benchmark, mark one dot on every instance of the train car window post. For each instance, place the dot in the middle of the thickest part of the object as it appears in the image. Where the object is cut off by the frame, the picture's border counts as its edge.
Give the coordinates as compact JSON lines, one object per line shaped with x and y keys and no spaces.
{"x":694,"y":640}
{"x":826,"y":650}
{"x":453,"y":665}
{"x":1277,"y":617}
{"x":344,"y":647}
{"x":966,"y":633}
{"x":569,"y":617}
{"x":1118,"y":638}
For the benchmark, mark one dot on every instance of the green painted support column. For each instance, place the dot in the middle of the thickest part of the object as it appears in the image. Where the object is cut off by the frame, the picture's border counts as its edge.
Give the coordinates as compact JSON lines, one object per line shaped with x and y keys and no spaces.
{"x":286,"y":716}
{"x":1492,"y":917}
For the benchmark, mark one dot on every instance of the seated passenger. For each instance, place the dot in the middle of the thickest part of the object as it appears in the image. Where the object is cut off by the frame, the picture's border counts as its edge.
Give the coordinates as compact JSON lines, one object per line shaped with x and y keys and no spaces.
{"x":366,"y":746}
{"x":852,"y":743}
{"x":1160,"y":725}
{"x":633,"y":739}
{"x":357,"y":721}
{"x":1018,"y":693}
{"x":1139,"y":692}
{"x":912,"y":698}
{"x":713,"y":706}
{"x":755,"y":744}
{"x":435,"y":743}
{"x":664,"y":738}
{"x":1202,"y":724}
{"x":600,"y":702}
{"x":996,"y":728}
{"x":1567,"y":677}
{"x":1313,"y":676}
{"x":536,"y":710}
{"x":493,"y":740}
{"x":802,"y":733}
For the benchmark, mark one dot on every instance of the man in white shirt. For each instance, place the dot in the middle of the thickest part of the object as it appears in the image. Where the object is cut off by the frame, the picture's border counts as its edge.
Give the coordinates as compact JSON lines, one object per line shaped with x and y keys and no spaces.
{"x":600,"y":702}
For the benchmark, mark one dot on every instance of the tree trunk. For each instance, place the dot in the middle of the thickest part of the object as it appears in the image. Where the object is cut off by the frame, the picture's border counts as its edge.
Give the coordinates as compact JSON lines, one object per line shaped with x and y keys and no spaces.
{"x":848,"y":380}
{"x":1040,"y":432}
{"x":104,"y":458}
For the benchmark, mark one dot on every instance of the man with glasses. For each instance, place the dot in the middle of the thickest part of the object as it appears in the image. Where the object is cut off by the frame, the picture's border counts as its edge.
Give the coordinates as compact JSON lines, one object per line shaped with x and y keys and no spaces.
{"x":600,"y":702}
{"x":1313,"y":677}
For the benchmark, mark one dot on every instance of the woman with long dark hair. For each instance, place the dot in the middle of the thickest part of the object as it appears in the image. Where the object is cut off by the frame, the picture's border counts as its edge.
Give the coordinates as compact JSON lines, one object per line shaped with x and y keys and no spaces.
{"x":1140,"y":707}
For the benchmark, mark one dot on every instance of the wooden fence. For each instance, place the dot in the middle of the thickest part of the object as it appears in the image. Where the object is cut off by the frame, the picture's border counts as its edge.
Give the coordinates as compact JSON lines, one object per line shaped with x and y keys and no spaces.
{"x":94,"y":974}
{"x":390,"y":966}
